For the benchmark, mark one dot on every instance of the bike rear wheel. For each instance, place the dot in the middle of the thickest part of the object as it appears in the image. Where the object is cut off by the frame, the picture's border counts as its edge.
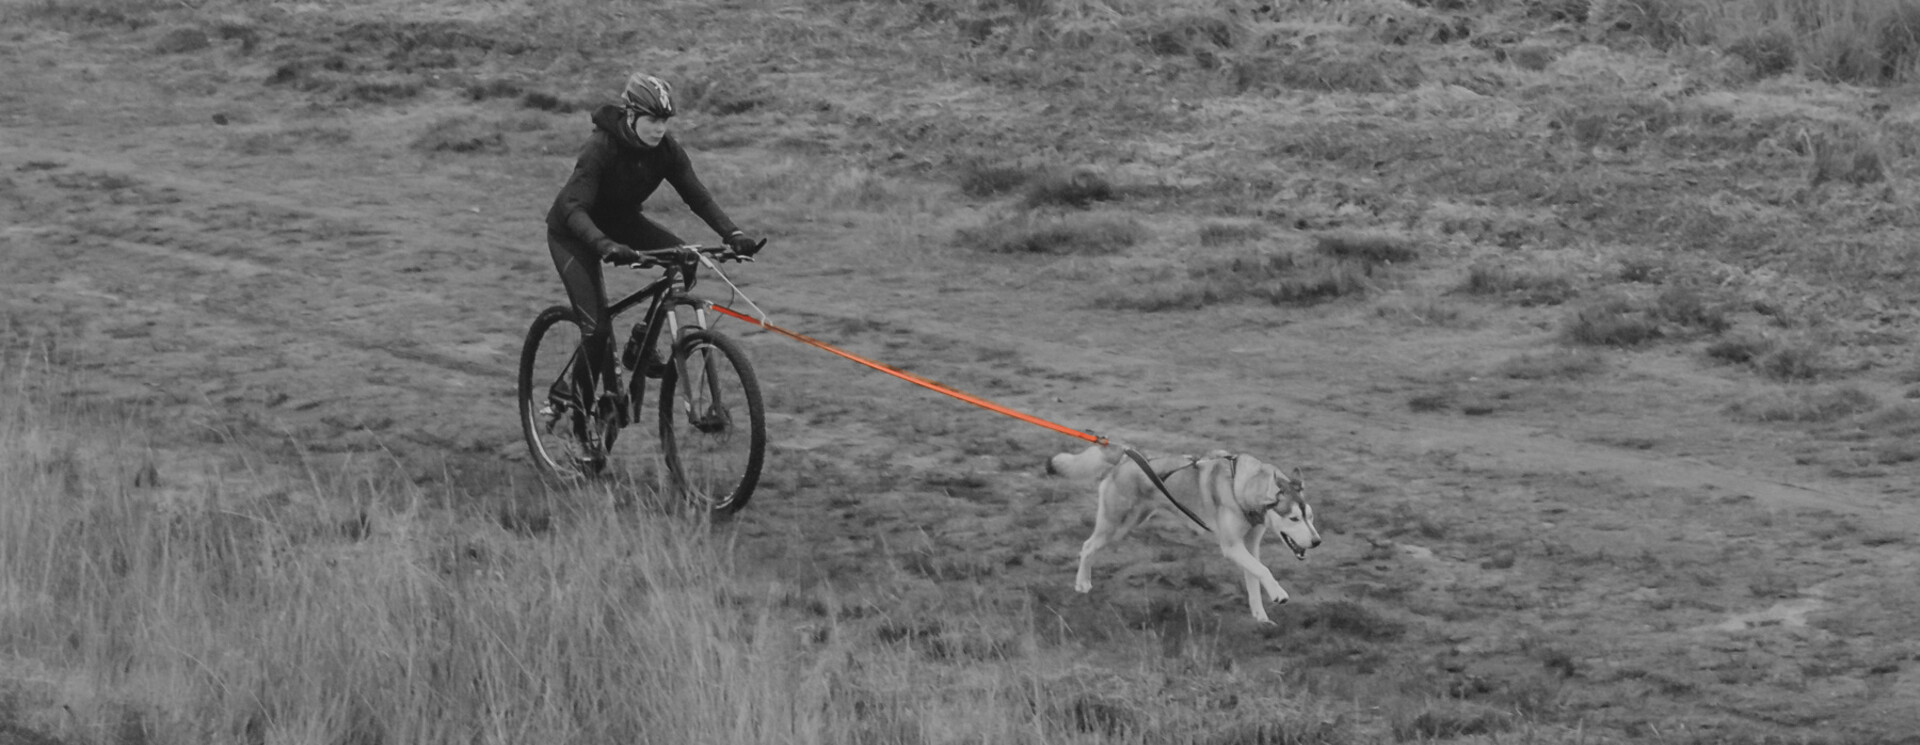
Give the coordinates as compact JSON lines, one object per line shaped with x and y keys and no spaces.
{"x":564,"y":439}
{"x":713,"y":428}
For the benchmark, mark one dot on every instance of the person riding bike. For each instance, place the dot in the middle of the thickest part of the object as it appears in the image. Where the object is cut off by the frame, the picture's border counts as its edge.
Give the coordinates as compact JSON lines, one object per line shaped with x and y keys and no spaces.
{"x":597,"y":216}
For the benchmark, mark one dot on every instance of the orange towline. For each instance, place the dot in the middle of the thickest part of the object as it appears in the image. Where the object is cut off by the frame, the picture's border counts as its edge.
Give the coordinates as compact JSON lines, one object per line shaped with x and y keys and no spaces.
{"x":915,"y":379}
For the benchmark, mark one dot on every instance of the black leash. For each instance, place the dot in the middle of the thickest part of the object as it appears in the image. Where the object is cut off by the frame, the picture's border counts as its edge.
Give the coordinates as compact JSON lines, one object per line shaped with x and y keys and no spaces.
{"x":1147,"y":469}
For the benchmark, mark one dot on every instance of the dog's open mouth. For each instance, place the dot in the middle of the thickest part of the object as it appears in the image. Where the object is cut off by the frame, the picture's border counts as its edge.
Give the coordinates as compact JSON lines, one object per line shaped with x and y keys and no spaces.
{"x":1298,"y":552}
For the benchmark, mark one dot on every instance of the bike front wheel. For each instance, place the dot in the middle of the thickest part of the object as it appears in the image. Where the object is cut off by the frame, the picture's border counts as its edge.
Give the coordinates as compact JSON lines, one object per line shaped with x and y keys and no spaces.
{"x":713,"y":425}
{"x":563,"y":437}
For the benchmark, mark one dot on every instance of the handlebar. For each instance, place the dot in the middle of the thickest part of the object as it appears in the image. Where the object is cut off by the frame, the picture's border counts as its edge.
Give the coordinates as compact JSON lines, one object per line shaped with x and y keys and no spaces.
{"x":686,"y":254}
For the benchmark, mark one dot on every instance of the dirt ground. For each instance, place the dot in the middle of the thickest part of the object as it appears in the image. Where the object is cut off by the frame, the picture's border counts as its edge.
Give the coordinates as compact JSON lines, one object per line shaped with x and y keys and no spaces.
{"x":252,"y":272}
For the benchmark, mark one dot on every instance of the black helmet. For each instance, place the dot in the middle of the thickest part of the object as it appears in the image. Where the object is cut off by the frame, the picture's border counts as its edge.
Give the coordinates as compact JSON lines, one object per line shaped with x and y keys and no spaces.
{"x":648,"y":95}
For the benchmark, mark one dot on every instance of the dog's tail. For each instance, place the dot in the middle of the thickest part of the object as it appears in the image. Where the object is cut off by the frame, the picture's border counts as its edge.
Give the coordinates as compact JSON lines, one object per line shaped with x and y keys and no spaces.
{"x":1086,"y":465}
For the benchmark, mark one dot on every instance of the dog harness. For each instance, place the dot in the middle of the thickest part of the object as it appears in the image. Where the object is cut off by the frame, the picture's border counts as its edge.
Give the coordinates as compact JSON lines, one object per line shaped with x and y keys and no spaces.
{"x":1159,"y":483}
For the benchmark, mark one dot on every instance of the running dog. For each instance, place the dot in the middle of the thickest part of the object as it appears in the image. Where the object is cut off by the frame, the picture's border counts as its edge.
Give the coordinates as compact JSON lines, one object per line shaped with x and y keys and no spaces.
{"x":1235,"y":497}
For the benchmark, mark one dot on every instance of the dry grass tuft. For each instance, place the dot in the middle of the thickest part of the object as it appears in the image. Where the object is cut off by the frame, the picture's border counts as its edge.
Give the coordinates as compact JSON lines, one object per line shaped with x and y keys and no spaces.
{"x":1076,"y":188}
{"x":1846,"y":155}
{"x":1554,"y":365}
{"x":1525,"y":287}
{"x":1631,"y":321}
{"x":1806,"y":405}
{"x":461,"y":135}
{"x":1366,"y":248}
{"x":1077,"y":235}
{"x":990,"y":180}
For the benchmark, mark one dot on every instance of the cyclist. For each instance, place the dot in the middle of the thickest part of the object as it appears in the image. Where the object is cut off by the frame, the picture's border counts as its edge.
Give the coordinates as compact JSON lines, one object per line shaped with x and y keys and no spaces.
{"x":597,"y":216}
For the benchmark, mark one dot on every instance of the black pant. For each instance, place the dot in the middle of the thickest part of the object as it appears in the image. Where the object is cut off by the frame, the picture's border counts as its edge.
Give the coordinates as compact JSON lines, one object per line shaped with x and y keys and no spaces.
{"x":580,"y":271}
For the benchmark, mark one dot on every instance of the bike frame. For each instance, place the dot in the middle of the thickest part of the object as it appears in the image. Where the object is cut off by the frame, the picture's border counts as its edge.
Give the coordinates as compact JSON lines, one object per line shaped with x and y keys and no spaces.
{"x":661,"y":295}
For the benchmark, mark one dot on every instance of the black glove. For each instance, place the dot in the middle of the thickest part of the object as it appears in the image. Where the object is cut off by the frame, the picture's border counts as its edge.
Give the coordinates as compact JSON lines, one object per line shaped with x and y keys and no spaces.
{"x":743,"y":244}
{"x":618,"y":253}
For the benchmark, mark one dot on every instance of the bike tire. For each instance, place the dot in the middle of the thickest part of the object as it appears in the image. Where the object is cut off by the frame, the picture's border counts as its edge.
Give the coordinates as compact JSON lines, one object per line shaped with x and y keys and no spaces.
{"x":552,"y":433}
{"x":712,"y":453}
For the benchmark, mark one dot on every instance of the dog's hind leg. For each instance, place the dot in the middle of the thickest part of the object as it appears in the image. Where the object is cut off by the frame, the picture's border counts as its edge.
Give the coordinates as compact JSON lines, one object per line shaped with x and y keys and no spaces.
{"x":1106,"y":525}
{"x":1083,"y":580}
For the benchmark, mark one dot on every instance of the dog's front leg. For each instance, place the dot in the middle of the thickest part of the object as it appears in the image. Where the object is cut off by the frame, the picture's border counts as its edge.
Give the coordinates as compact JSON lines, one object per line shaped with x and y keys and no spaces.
{"x":1258,"y":577}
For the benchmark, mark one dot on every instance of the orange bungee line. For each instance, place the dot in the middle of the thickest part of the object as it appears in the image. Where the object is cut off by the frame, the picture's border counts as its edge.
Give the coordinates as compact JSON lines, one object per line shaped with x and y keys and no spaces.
{"x":914,"y":379}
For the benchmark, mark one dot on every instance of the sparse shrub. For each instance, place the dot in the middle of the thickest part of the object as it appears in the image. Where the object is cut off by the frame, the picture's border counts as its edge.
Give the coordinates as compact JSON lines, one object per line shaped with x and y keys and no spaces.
{"x":1793,"y":363}
{"x":1369,"y":249}
{"x":1078,"y":187}
{"x":460,"y":135}
{"x":1333,"y":68}
{"x":1643,"y":269}
{"x":1183,"y":34}
{"x":1089,"y":713}
{"x":1806,"y":405}
{"x":1768,"y":51}
{"x":1740,"y":349}
{"x":550,"y":103}
{"x":182,"y":40}
{"x":1534,"y":57}
{"x":1280,"y":279}
{"x":1317,"y":282}
{"x":1685,"y":307}
{"x":1624,"y":321}
{"x":1664,"y":24}
{"x":1574,"y":11}
{"x":1356,"y":620}
{"x":1029,"y":235}
{"x":289,"y":140}
{"x":722,"y":93}
{"x":383,"y":91}
{"x":1614,"y":322}
{"x":1422,"y":309}
{"x":1555,"y":365}
{"x":494,"y":88}
{"x":1847,"y":156}
{"x":1295,"y":730}
{"x":1426,"y":403}
{"x":1225,"y":233}
{"x":1518,"y":286}
{"x":981,"y":180}
{"x":1449,"y":720}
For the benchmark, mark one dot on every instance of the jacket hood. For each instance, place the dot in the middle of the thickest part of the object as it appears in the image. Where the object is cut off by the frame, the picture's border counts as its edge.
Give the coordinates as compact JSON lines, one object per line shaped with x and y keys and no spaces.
{"x":613,"y":120}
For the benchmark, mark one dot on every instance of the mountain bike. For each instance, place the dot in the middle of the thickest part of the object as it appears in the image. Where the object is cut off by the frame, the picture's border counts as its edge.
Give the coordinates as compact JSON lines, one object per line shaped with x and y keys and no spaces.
{"x":713,"y":432}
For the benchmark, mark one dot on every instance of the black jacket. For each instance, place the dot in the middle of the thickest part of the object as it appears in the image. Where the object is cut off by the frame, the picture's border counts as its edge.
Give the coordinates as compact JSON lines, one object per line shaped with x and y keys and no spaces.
{"x":615,"y":174}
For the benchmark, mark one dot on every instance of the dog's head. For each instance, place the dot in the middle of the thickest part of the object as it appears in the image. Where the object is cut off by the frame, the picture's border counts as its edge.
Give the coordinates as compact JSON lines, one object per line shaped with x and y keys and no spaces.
{"x":1281,"y":498}
{"x":1088,"y":464}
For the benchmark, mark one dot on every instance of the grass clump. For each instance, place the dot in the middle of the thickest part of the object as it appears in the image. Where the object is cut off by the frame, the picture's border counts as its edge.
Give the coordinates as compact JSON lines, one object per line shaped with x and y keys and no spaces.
{"x":1279,"y":279}
{"x":1369,"y":249}
{"x":1741,"y":349}
{"x":461,"y":135}
{"x":1524,"y":287}
{"x":1846,"y":156}
{"x":1029,"y":235}
{"x":1626,"y":321}
{"x":1228,"y":233}
{"x":1806,"y":405}
{"x":1076,"y":188}
{"x":983,"y":180}
{"x":1555,"y":365}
